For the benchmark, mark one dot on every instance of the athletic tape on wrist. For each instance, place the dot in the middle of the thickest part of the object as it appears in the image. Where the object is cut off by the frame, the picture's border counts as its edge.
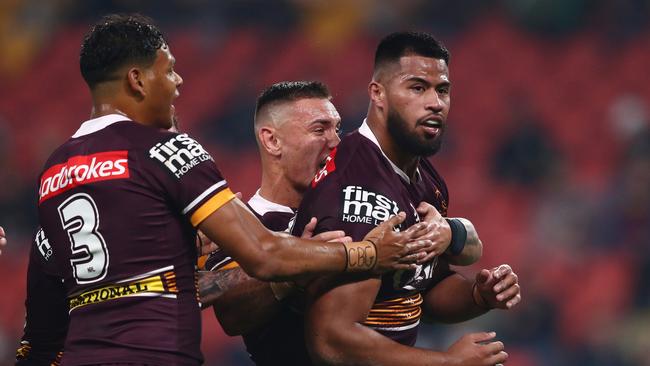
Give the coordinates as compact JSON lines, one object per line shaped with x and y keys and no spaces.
{"x":361,"y":256}
{"x":458,"y":236}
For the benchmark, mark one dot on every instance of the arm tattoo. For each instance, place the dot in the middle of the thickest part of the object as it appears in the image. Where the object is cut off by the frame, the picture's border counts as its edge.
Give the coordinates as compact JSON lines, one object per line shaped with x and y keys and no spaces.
{"x":213,"y":284}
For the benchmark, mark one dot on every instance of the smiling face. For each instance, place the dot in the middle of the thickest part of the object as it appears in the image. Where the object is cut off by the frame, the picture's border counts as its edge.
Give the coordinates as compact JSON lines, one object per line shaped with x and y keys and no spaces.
{"x":307,"y":131}
{"x":417,"y":102}
{"x":161,"y":87}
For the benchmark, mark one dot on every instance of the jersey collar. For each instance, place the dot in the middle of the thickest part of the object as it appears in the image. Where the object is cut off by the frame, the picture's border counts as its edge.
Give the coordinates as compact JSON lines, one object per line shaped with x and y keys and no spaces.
{"x":366,"y":132}
{"x":261,"y":205}
{"x":96,"y":124}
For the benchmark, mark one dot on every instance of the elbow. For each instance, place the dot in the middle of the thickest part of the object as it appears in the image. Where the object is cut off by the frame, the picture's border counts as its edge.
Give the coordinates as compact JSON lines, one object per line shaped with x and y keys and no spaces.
{"x":321,"y":350}
{"x":267,"y":265}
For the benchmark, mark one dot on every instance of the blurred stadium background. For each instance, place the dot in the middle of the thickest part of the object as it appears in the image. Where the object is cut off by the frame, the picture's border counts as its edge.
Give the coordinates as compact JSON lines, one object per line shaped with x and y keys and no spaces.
{"x":547,"y":151}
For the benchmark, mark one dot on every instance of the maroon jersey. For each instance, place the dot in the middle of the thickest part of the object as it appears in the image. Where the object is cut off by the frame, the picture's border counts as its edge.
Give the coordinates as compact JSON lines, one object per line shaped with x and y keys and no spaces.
{"x":359,"y":188}
{"x":119,"y":202}
{"x":282,"y":340}
{"x":46,"y":322}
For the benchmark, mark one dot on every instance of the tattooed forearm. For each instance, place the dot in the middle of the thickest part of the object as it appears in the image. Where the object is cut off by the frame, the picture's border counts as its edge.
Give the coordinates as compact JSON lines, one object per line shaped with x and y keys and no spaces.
{"x":213,"y":284}
{"x":473,"y":249}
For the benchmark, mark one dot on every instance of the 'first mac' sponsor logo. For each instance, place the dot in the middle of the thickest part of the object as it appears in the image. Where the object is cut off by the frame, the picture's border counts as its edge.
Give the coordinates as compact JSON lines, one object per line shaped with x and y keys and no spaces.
{"x":179,"y":154}
{"x":362,"y":206}
{"x":83,"y":169}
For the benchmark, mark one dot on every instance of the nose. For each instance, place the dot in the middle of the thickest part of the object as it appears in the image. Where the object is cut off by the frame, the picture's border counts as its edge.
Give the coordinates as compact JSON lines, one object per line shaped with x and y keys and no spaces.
{"x":435,"y":102}
{"x":333,"y":139}
{"x":179,"y":80}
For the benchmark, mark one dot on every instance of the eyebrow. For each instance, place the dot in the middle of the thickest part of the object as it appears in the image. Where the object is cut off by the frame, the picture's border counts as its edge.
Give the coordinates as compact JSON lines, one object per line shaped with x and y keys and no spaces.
{"x":418,"y":79}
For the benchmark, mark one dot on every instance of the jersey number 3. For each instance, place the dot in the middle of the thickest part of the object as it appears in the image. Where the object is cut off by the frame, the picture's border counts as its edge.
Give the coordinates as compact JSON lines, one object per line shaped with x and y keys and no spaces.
{"x":80,"y":219}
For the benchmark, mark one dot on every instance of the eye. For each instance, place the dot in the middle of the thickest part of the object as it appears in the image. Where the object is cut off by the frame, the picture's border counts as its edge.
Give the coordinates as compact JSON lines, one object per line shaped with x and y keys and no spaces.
{"x":443,"y":90}
{"x":418,"y":88}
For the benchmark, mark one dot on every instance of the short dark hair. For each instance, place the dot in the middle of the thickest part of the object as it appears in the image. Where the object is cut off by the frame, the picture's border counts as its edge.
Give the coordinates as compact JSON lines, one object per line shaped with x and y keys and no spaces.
{"x":290,"y":91}
{"x":399,"y":44}
{"x":117,"y":40}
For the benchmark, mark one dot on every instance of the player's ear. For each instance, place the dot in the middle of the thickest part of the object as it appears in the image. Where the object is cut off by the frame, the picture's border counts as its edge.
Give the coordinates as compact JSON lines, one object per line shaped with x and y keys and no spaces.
{"x":269,"y":140}
{"x":377,"y":93}
{"x":135,"y":81}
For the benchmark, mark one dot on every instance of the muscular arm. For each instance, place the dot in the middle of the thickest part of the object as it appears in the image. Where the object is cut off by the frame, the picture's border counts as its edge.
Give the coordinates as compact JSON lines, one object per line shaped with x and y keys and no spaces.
{"x":451,"y":301}
{"x":473,"y":249}
{"x":271,"y":256}
{"x":241,"y":303}
{"x":335,"y":336}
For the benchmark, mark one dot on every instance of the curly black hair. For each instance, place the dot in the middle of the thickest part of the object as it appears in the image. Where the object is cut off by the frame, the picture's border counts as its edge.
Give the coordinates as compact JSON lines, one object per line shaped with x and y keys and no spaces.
{"x":117,"y":40}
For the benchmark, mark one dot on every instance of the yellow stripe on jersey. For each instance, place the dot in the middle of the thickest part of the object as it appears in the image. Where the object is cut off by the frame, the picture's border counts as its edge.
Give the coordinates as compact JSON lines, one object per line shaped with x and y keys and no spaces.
{"x":395,"y":312}
{"x":211,"y":205}
{"x":156,"y":285}
{"x":230,"y":265}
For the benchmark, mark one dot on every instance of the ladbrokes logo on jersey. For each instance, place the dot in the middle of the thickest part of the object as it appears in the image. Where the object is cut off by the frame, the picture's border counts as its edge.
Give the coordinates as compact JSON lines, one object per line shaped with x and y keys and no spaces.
{"x":179,"y":154}
{"x":83,"y":169}
{"x":361,"y":206}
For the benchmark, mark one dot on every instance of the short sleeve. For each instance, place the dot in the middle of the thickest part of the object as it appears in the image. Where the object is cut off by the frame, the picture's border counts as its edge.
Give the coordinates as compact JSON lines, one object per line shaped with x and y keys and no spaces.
{"x":188,"y":174}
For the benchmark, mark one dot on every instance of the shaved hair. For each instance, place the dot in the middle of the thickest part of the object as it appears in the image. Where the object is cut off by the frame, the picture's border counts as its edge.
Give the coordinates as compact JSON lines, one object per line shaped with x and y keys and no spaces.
{"x":288,"y":91}
{"x":396,"y":45}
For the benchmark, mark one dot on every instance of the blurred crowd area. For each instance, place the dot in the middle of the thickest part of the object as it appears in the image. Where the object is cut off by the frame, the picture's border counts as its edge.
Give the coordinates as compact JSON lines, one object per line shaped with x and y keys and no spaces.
{"x":547,"y":150}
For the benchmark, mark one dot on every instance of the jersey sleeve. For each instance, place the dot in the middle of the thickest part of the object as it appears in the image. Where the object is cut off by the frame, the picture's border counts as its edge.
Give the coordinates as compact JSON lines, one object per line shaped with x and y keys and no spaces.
{"x":219,"y":260}
{"x":188,"y":174}
{"x":46,"y":308}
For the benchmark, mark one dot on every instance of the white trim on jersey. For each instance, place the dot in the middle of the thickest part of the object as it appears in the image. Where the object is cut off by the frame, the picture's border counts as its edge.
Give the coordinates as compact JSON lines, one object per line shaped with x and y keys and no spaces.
{"x":99,"y":123}
{"x":205,"y":193}
{"x":395,"y":329}
{"x":366,"y":132}
{"x":261,"y":205}
{"x":147,"y":274}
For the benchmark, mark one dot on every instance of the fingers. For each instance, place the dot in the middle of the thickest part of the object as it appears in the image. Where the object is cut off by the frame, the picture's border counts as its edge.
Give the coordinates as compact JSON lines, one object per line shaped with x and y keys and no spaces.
{"x":309,"y":228}
{"x":335,"y":235}
{"x":429,"y":257}
{"x":511,"y":295}
{"x":506,"y":282}
{"x":483,"y":276}
{"x":238,"y":195}
{"x":501,"y":270}
{"x":345,"y":239}
{"x":481,"y":336}
{"x":498,"y":358}
{"x":395,"y":220}
{"x":418,"y":246}
{"x":3,"y":239}
{"x":412,"y":258}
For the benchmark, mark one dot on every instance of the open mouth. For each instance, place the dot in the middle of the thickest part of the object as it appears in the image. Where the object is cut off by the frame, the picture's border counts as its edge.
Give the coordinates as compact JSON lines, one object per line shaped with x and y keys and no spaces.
{"x":432,"y":126}
{"x":323,"y":162}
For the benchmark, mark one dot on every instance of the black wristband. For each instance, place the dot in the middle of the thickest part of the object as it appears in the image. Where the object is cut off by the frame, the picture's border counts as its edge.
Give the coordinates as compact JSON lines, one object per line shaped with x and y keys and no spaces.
{"x":458,"y":236}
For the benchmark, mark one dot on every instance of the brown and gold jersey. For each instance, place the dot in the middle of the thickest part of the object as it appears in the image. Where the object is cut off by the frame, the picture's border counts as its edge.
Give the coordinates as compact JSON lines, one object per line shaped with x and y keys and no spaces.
{"x":359,"y":188}
{"x":119,"y":202}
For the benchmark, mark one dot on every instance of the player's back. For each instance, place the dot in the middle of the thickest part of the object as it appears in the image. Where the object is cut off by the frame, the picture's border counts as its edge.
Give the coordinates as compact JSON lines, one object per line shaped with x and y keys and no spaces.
{"x":112,"y":203}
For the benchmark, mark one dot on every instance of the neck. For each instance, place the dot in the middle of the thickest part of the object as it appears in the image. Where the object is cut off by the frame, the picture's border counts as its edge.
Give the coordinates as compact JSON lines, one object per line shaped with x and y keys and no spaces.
{"x":405,"y":161}
{"x":277,"y":189}
{"x":104,"y":109}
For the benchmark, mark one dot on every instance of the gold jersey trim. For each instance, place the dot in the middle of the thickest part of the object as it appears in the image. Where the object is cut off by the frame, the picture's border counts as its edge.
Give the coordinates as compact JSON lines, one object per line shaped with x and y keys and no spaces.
{"x":154,"y":285}
{"x":395,"y":313}
{"x":211,"y":205}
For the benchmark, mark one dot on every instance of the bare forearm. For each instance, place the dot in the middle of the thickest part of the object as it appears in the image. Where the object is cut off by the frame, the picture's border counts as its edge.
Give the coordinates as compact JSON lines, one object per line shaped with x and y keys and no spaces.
{"x":451,"y":301}
{"x":359,"y":345}
{"x":473,"y":249}
{"x":240,"y":303}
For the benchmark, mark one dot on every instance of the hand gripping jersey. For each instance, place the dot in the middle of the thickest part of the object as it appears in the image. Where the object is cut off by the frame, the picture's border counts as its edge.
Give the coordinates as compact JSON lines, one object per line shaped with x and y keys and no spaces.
{"x":119,"y":203}
{"x":359,"y":188}
{"x":281,"y":341}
